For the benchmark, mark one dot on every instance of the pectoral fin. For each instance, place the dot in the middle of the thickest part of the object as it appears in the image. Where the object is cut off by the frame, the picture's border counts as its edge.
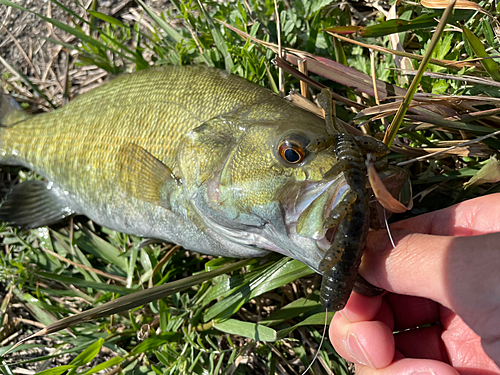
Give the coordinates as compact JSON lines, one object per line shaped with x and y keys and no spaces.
{"x":143,"y":176}
{"x":34,"y":204}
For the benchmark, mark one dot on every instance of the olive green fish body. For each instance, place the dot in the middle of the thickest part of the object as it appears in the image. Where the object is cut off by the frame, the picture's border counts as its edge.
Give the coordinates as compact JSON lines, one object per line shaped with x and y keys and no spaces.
{"x":190,"y":155}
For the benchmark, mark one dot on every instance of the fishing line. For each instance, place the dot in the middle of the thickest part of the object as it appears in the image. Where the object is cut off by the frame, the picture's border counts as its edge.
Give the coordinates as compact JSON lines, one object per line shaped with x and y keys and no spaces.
{"x":320,"y":344}
{"x":389,"y":230}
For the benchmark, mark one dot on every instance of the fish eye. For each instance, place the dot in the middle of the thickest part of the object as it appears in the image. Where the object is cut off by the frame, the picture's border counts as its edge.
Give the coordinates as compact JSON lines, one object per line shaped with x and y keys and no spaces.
{"x":291,"y":152}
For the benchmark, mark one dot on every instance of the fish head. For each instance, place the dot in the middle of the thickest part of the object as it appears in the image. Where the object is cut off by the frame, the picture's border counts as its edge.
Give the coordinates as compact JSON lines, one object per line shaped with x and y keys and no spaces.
{"x":253,"y":182}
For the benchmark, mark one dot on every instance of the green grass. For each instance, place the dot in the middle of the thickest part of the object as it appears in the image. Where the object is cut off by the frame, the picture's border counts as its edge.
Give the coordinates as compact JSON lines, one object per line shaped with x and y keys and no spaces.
{"x":266,"y":317}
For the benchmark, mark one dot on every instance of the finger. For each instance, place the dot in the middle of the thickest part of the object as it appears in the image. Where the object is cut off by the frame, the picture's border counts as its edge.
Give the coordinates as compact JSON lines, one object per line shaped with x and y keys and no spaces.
{"x":492,"y":349}
{"x":460,"y":273}
{"x":369,"y":343}
{"x":464,"y":346}
{"x":472,"y":217}
{"x":360,"y":308}
{"x":410,"y":366}
{"x":385,"y":315}
{"x":472,"y":277}
{"x":415,"y":267}
{"x":448,"y":270}
{"x":425,"y":343}
{"x":411,"y":312}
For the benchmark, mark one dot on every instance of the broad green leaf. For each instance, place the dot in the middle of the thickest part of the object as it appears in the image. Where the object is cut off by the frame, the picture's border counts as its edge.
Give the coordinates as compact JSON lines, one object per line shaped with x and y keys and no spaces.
{"x":35,"y":306}
{"x":488,"y":32}
{"x":399,"y":25}
{"x":56,"y":370}
{"x":292,"y":310}
{"x":83,"y":260}
{"x":156,"y":341}
{"x":88,"y":354}
{"x":16,"y":348}
{"x":103,"y":366}
{"x":106,"y":18}
{"x":340,"y":55}
{"x":93,"y":244}
{"x":477,"y":46}
{"x":274,"y":276}
{"x":219,"y":40}
{"x":217,"y":263}
{"x":247,"y":329}
{"x":313,"y":34}
{"x":316,"y":319}
{"x":291,"y":271}
{"x":317,"y":5}
{"x":171,"y":32}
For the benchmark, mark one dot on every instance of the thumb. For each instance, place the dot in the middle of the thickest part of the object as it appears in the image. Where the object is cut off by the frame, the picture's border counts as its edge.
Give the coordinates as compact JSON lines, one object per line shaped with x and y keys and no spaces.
{"x":416,"y":265}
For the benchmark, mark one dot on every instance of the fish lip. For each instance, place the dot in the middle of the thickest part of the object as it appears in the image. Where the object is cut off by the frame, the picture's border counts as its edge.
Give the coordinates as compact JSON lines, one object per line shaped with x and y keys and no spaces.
{"x":309,"y":193}
{"x":324,"y":242}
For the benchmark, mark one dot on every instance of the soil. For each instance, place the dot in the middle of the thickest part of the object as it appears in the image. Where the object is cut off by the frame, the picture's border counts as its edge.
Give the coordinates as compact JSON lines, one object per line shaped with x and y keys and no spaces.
{"x":26,"y":48}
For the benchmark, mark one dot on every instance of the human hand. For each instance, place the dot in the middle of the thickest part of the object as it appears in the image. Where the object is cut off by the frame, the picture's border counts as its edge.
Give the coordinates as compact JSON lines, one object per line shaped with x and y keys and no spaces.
{"x":443,"y":273}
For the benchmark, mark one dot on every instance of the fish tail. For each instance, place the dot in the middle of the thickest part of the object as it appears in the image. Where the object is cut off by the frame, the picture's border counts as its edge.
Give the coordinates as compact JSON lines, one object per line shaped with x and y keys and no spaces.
{"x":11,"y":113}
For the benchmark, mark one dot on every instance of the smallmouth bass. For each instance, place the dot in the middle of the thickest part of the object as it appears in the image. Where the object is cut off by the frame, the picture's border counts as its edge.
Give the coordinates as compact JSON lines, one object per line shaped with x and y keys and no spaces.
{"x":188,"y":155}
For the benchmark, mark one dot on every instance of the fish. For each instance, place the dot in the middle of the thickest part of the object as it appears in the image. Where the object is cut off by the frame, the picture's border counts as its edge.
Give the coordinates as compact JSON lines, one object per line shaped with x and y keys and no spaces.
{"x":189,"y":155}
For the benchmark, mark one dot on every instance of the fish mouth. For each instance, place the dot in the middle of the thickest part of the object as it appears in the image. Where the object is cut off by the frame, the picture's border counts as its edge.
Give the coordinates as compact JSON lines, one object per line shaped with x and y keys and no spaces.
{"x":393,"y":179}
{"x":310,"y":223}
{"x":324,"y":244}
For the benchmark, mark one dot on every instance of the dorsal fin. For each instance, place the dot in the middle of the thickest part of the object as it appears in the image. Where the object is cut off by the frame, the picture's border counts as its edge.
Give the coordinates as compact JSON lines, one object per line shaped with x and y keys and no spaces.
{"x":143,"y":176}
{"x":10,"y":111}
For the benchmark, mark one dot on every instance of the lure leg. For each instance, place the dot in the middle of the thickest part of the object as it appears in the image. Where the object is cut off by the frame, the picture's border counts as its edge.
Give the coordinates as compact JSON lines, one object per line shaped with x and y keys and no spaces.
{"x":341,"y":209}
{"x":325,"y":102}
{"x":333,"y":256}
{"x":363,"y":287}
{"x":339,"y":246}
{"x":371,"y":145}
{"x":321,"y":144}
{"x":337,"y":169}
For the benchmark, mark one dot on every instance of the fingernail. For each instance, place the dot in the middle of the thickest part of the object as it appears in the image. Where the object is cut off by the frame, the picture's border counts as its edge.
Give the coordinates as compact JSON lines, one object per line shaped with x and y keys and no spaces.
{"x":357,"y":351}
{"x":424,"y":373}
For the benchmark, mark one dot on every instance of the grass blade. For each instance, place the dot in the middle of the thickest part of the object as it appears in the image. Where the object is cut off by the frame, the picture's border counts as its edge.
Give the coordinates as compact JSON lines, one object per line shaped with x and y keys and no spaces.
{"x":171,"y":32}
{"x":398,"y":118}
{"x":139,"y":298}
{"x":27,"y":80}
{"x":218,"y":38}
{"x":477,"y":46}
{"x":392,"y":26}
{"x":246,"y":329}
